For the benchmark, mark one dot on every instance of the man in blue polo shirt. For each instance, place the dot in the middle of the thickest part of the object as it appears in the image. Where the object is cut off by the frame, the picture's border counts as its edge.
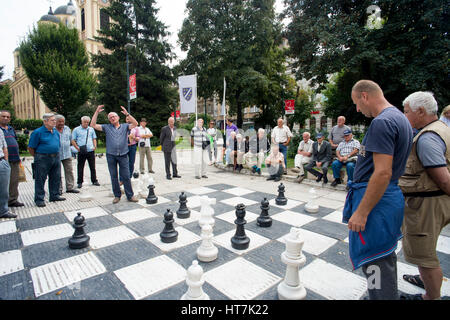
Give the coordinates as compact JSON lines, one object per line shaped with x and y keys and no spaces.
{"x":117,"y":150}
{"x":44,"y":146}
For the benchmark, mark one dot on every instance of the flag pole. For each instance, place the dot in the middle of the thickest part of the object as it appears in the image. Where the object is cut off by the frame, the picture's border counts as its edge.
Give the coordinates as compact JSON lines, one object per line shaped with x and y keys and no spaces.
{"x":195,"y":99}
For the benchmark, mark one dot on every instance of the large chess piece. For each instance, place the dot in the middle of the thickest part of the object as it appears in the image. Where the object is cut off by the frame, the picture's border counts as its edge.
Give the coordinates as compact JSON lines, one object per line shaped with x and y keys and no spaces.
{"x":85,"y":196}
{"x":169,"y":234}
{"x":207,"y":251}
{"x":151,"y":198}
{"x":291,"y":288}
{"x":194,"y":280}
{"x":79,"y":239}
{"x":183,"y":212}
{"x":206,"y":211}
{"x":281,"y":199}
{"x":311,"y":206}
{"x":264,"y":220}
{"x":240,"y":241}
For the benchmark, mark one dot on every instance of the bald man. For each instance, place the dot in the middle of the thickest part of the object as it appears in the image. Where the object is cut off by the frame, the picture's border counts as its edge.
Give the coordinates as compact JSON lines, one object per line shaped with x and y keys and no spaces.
{"x":374,"y":205}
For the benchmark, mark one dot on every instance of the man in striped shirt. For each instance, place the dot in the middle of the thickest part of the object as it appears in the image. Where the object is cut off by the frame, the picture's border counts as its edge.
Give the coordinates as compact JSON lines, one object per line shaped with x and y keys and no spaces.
{"x":346,"y":154}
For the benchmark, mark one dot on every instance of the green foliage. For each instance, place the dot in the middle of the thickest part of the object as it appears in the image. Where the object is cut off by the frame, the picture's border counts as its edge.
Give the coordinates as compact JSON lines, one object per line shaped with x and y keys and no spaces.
{"x":409,"y":52}
{"x":156,"y":99}
{"x":30,"y":124}
{"x":56,"y":62}
{"x":6,"y":97}
{"x":22,"y":140}
{"x":304,"y":104}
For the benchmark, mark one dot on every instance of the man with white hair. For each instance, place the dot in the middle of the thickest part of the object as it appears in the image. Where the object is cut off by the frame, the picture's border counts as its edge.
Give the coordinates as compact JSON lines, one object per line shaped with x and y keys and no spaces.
{"x":336,"y":135}
{"x":303,"y":156}
{"x":84,"y":139}
{"x":282,"y":135}
{"x":117,"y":151}
{"x":426,"y":187}
{"x":44,"y":146}
{"x":257,"y":151}
{"x":65,"y":154}
{"x":200,"y":142}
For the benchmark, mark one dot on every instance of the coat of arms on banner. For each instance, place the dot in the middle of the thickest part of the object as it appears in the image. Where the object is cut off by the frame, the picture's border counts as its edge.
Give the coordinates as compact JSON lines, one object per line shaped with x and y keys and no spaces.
{"x":187,"y":93}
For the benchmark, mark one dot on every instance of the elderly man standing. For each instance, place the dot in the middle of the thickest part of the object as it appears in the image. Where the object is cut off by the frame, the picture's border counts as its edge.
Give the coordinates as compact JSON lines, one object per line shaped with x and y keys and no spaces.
{"x":44,"y":146}
{"x":5,"y":172}
{"x":374,"y":204}
{"x":84,"y":140}
{"x":117,"y":151}
{"x":13,"y":158}
{"x":145,"y":147}
{"x":426,"y":187}
{"x":346,"y":154}
{"x":336,"y":135}
{"x":200,"y":142}
{"x":282,"y":135}
{"x":167,"y":139}
{"x":321,"y":158}
{"x":303,"y":156}
{"x":65,"y":154}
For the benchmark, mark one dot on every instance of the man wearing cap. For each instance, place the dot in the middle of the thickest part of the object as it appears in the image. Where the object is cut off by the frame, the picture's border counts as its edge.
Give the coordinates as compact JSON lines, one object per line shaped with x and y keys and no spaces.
{"x":145,"y":147}
{"x":346,"y":154}
{"x":321,"y":158}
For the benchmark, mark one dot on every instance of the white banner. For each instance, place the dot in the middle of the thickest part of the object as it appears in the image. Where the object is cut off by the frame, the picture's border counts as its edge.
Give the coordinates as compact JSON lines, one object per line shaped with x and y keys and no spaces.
{"x":188,"y":93}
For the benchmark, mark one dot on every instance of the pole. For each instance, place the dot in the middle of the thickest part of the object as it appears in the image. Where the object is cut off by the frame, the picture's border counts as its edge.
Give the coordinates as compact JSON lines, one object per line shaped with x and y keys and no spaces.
{"x":128,"y":85}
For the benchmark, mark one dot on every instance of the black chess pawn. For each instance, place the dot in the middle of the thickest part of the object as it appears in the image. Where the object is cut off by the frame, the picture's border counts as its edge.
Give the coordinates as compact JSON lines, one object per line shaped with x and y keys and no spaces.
{"x":151,"y":198}
{"x":79,"y":239}
{"x":169,"y":234}
{"x":240,"y":241}
{"x":183,"y":212}
{"x":264,"y":220}
{"x":281,"y":199}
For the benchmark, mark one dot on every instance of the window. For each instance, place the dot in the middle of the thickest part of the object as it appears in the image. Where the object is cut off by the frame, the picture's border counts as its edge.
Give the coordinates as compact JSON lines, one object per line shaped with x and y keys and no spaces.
{"x":83,"y":24}
{"x":104,"y":20}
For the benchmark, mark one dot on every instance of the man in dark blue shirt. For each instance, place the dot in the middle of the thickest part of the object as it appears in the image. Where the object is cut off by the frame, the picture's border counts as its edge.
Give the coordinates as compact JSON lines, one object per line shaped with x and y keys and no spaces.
{"x":44,"y":146}
{"x":374,"y":206}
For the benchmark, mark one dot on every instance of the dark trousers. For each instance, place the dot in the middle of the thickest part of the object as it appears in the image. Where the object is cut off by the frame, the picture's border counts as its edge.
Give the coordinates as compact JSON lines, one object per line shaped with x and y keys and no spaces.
{"x":132,"y":157}
{"x":90,"y":157}
{"x":312,"y":164}
{"x":170,"y":158}
{"x":46,"y":165}
{"x":124,"y":171}
{"x":283,"y":150}
{"x":381,"y":277}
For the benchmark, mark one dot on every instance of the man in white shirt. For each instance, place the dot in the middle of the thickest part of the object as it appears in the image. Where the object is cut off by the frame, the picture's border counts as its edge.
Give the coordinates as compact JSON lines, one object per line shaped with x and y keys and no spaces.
{"x":303,"y":156}
{"x":145,"y":147}
{"x":212,"y":132}
{"x":281,"y":135}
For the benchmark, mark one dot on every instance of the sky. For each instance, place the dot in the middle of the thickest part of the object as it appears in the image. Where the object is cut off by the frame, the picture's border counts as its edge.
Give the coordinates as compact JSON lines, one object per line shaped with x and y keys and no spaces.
{"x":17,"y":18}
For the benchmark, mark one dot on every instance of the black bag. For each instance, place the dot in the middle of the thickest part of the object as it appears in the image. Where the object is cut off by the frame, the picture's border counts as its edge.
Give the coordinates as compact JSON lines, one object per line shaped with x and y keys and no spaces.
{"x":205,"y":144}
{"x":142,"y":144}
{"x":83,"y":149}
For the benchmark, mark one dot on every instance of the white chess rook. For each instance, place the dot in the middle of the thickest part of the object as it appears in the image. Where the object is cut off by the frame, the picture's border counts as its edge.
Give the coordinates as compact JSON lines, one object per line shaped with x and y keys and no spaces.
{"x":206,"y":211}
{"x":194,"y":280}
{"x":207,"y":251}
{"x":291,"y":288}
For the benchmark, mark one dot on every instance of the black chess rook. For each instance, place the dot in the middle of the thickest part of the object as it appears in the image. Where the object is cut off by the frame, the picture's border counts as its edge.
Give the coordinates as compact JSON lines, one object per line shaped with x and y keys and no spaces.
{"x":151,"y":198}
{"x":183,"y":212}
{"x":79,"y":239}
{"x":240,"y":241}
{"x":169,"y":234}
{"x":281,"y":199}
{"x":264,"y":220}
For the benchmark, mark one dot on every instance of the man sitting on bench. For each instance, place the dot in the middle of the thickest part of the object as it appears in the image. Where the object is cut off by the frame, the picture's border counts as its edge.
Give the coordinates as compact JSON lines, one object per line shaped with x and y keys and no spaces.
{"x":346,"y":154}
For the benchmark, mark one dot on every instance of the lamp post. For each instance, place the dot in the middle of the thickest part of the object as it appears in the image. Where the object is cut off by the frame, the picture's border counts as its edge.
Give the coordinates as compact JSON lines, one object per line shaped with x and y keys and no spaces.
{"x":128,"y":46}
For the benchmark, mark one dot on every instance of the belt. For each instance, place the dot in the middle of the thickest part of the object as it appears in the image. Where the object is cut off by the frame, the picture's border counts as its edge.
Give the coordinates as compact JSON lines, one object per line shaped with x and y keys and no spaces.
{"x":428,"y":194}
{"x":49,"y":154}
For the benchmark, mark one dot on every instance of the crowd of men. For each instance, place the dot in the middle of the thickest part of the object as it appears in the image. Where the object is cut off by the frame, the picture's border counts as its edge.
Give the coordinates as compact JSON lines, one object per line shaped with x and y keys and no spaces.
{"x":398,"y":177}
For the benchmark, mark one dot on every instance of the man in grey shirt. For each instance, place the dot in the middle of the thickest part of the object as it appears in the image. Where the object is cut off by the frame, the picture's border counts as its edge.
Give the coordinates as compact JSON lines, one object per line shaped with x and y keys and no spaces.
{"x":336,"y":135}
{"x":117,"y":150}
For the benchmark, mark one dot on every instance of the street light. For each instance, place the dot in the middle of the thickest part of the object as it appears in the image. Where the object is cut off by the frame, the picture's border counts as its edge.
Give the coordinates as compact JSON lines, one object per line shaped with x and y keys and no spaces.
{"x":128,"y":46}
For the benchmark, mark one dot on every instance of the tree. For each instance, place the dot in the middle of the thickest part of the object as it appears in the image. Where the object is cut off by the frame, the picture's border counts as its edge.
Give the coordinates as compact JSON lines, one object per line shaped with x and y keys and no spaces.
{"x":135,"y":21}
{"x":238,"y":40}
{"x":407,"y":52}
{"x":5,"y":97}
{"x":57,"y":65}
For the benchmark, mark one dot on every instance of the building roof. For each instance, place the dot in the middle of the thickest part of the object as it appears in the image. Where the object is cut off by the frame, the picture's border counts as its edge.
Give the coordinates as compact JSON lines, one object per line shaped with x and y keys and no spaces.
{"x":68,"y":9}
{"x":50,"y":17}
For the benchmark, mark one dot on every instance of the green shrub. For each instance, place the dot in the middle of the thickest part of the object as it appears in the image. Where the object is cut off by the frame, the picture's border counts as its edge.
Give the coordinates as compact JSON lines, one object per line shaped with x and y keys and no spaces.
{"x":22,"y":140}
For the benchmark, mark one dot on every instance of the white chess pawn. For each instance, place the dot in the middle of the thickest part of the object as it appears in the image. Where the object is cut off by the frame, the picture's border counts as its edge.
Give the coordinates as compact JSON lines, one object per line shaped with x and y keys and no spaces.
{"x":206,"y":211}
{"x":207,"y":252}
{"x":311,"y":206}
{"x":194,"y":280}
{"x":291,"y":288}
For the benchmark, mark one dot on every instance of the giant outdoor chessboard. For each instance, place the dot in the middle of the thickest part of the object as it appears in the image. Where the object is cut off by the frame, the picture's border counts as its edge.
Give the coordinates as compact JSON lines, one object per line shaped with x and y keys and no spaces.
{"x":126,"y":258}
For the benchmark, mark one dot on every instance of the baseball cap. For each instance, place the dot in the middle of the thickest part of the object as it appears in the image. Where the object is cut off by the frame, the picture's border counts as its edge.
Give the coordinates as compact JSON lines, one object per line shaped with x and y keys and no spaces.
{"x":347,"y":132}
{"x":319,"y":135}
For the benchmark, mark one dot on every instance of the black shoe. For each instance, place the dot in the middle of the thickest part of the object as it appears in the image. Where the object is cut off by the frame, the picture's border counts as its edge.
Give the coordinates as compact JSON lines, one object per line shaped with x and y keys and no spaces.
{"x":73,"y":191}
{"x":197,"y":177}
{"x":169,"y":178}
{"x":204,"y":176}
{"x":336,"y":182}
{"x":96,"y":183}
{"x":80,"y":185}
{"x":58,"y":199}
{"x":270,"y":178}
{"x":177,"y":176}
{"x":8,"y":215}
{"x":277,"y":179}
{"x":40,"y":204}
{"x":151,"y":171}
{"x":319,"y":177}
{"x":16,"y":204}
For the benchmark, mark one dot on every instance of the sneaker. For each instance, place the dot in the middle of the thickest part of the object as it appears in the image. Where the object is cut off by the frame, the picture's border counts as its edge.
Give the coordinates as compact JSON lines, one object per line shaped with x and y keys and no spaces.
{"x":116,"y":200}
{"x":133,"y":199}
{"x":336,"y":182}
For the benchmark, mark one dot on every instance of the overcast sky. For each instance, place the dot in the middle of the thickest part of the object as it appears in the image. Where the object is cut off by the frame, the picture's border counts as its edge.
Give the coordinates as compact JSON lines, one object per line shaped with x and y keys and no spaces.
{"x":17,"y":17}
